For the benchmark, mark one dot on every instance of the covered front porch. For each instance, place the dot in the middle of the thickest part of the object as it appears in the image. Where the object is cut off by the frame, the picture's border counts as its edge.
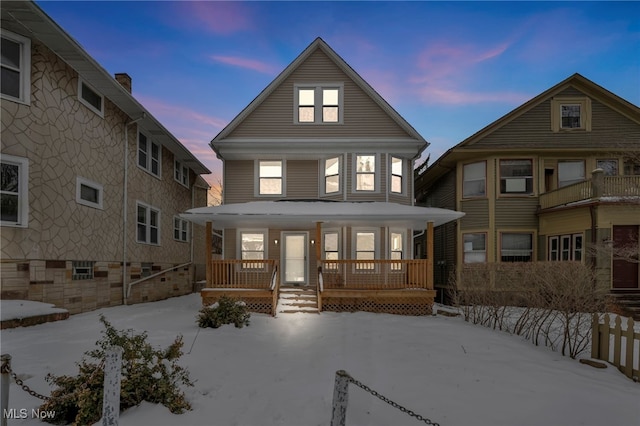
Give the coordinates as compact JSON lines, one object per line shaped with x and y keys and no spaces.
{"x":323,"y":247}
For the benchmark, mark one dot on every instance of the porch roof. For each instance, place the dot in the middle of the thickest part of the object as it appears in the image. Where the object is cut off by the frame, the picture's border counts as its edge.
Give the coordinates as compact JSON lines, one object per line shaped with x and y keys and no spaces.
{"x":305,"y":213}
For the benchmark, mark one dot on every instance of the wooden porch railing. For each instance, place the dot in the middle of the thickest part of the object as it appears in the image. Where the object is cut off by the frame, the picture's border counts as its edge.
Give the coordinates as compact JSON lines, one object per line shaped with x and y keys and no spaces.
{"x":621,"y":186}
{"x":234,"y":273}
{"x":377,"y":274}
{"x":567,"y":194}
{"x":609,"y":186}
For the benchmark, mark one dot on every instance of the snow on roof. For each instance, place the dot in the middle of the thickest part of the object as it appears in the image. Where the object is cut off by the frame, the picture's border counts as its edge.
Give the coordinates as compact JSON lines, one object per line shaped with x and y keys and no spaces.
{"x":308,"y":212}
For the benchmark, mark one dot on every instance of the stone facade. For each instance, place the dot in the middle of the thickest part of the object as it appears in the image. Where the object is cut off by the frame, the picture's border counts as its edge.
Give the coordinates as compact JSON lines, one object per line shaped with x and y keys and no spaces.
{"x":63,"y":141}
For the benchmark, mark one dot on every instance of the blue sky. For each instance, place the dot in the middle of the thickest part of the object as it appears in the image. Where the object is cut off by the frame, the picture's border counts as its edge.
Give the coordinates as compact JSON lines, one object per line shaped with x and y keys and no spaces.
{"x":449,"y":68}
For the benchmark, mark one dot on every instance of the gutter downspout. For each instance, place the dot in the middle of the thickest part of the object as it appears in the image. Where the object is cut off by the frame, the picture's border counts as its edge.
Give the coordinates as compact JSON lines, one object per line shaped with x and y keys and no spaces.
{"x":125,"y":196}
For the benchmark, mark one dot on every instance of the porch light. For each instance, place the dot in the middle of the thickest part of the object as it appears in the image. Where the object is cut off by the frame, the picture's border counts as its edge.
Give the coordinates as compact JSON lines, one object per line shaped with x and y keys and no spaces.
{"x":313,"y":241}
{"x":276,"y":241}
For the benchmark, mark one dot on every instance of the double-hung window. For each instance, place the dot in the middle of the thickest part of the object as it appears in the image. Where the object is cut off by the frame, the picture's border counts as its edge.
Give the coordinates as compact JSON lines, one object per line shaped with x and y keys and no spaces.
{"x":148,"y":224}
{"x":366,"y":172}
{"x":149,"y":154}
{"x":516,"y":177}
{"x":332,"y":175}
{"x":516,"y":247}
{"x":475,"y":247}
{"x":474,"y":179}
{"x":181,"y":173}
{"x":253,"y":248}
{"x":331,"y":248}
{"x":570,"y":172}
{"x":180,"y":229}
{"x":14,"y":194}
{"x":396,"y":248}
{"x":365,"y":249}
{"x":270,"y":177}
{"x":397,"y":171}
{"x":90,"y":97}
{"x":570,"y":114}
{"x":15,"y":78}
{"x":565,"y":247}
{"x":318,"y":103}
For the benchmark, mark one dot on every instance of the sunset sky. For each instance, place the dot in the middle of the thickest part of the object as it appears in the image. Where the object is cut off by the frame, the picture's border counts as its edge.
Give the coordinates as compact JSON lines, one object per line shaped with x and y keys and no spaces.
{"x":449,"y":68}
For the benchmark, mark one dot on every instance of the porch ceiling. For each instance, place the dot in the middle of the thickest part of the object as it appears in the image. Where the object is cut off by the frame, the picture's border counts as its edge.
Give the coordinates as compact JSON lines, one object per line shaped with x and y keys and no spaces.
{"x":307,"y":213}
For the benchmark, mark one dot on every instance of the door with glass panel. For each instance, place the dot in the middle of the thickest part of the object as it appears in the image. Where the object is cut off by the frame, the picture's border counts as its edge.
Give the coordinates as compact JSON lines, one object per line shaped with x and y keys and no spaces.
{"x":294,"y":264}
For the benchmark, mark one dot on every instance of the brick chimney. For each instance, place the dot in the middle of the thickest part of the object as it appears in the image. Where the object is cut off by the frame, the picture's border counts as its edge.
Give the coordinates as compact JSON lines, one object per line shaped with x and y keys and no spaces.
{"x":125,"y":80}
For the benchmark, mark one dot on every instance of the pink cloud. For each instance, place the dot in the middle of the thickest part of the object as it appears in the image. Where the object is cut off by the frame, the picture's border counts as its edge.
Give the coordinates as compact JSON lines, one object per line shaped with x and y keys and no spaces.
{"x":217,"y":17}
{"x":451,"y":96}
{"x":251,"y":64}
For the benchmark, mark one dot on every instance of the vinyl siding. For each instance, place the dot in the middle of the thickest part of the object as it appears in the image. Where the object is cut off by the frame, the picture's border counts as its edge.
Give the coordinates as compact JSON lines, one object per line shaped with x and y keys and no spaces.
{"x":476,"y":214}
{"x":274,"y":117}
{"x":238,"y":181}
{"x":516,"y":212}
{"x":302,"y":179}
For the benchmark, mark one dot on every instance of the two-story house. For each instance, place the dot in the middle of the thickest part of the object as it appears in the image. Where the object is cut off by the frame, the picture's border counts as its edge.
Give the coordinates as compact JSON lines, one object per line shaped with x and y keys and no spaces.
{"x":92,"y":184}
{"x":556,"y":179}
{"x":318,"y":194}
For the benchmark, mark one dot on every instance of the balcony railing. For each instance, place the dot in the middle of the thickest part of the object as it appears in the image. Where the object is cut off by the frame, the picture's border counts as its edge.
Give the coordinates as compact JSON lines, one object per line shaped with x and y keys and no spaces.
{"x":377,"y":274}
{"x":610,"y":186}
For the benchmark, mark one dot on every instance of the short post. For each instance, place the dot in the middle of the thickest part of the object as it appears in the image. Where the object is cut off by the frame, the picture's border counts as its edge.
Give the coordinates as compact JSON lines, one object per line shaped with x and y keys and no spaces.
{"x":340,"y":398}
{"x":111,"y":393}
{"x":4,"y":386}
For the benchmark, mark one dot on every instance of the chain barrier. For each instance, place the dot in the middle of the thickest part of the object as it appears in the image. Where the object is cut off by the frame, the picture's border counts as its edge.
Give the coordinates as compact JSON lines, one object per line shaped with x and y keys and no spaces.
{"x":390,"y":402}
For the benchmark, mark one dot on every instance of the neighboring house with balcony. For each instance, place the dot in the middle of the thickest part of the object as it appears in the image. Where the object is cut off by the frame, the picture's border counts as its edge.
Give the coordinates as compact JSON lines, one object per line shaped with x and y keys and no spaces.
{"x":318,"y":196}
{"x":528,"y":188}
{"x":92,"y":184}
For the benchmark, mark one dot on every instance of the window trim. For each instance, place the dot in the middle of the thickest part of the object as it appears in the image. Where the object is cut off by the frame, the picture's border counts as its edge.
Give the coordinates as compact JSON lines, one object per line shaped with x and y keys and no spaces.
{"x":609,"y":160}
{"x":517,"y":232}
{"x":181,"y":173}
{"x":464,"y":251}
{"x":531,"y":178}
{"x":556,"y":113}
{"x":403,"y":185}
{"x":571,"y":248}
{"x":148,"y":166}
{"x":257,"y":178}
{"x":25,"y":67}
{"x":80,"y":181}
{"x":318,"y":103}
{"x":148,"y":209}
{"x":376,"y":173}
{"x":338,"y":232}
{"x":568,"y":160}
{"x":181,"y":226}
{"x":403,"y":251}
{"x":323,"y":176}
{"x":484,"y":194}
{"x":23,"y":190}
{"x":239,"y":251}
{"x":83,"y":101}
{"x":354,"y":246}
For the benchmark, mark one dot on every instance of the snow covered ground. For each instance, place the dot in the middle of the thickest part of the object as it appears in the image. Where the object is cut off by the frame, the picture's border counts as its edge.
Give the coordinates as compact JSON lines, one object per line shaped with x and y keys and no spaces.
{"x":280,"y":371}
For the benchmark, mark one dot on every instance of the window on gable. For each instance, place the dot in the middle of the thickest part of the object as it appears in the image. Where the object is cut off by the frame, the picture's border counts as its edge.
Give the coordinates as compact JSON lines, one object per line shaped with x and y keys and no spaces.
{"x":270,"y":177}
{"x":570,"y":113}
{"x":149,"y":154}
{"x":570,"y":116}
{"x":396,"y":175}
{"x":180,"y":229}
{"x":14,"y":195}
{"x":90,"y":97}
{"x":15,"y":65}
{"x":332,"y":175}
{"x":89,"y":193}
{"x":181,"y":173}
{"x":318,"y":103}
{"x":365,"y":172}
{"x":474,"y":179}
{"x":148,"y":224}
{"x":516,"y":176}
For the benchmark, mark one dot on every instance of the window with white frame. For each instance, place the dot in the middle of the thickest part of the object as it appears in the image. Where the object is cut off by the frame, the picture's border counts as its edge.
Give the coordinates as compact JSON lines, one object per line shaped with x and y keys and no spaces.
{"x":82,"y":270}
{"x":253,"y":247}
{"x":475,"y":247}
{"x":331,"y":248}
{"x":516,"y":247}
{"x":397,"y":171}
{"x":15,"y":65}
{"x":366,"y":172}
{"x":180,"y":229}
{"x":332,"y":175}
{"x":474,"y":179}
{"x":318,"y":103}
{"x":90,"y":97}
{"x":365,"y":248}
{"x":14,"y":191}
{"x":570,"y":172}
{"x":609,"y":166}
{"x":149,"y":155}
{"x":565,"y":247}
{"x":396,"y":248}
{"x":181,"y":173}
{"x":148,"y":224}
{"x":270,"y":177}
{"x":89,"y":193}
{"x":516,"y":177}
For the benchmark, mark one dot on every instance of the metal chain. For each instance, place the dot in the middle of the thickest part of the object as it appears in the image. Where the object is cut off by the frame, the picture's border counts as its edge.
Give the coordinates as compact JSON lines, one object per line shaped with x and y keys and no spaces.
{"x":390,"y":402}
{"x":7,"y":369}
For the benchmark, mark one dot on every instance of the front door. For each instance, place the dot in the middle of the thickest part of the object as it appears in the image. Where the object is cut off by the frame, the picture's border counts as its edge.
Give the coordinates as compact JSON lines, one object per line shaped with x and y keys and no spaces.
{"x":294,"y":265}
{"x":625,"y":257}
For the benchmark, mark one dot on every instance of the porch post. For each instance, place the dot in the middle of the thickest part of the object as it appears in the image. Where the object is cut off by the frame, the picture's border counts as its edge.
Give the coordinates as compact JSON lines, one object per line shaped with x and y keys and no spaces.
{"x":318,"y":242}
{"x":208,"y":247}
{"x":430,"y":255}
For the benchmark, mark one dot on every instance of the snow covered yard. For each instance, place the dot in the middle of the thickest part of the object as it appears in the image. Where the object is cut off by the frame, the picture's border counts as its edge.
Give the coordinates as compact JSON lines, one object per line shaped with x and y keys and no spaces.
{"x":280,"y":371}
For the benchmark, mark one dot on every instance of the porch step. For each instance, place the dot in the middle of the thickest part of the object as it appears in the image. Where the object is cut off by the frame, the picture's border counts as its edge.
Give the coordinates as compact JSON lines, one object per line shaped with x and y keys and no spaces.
{"x":629,"y":303}
{"x":298,"y":299}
